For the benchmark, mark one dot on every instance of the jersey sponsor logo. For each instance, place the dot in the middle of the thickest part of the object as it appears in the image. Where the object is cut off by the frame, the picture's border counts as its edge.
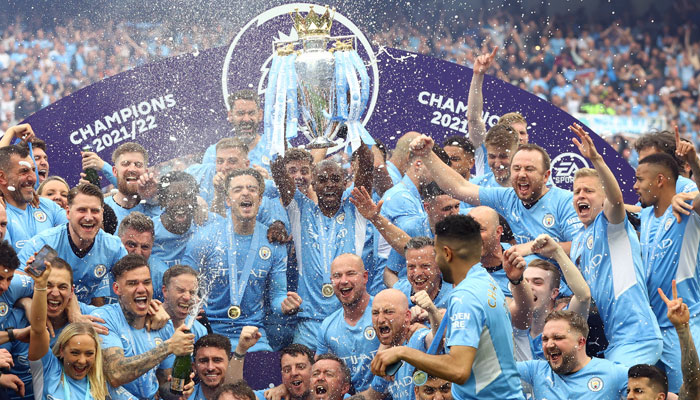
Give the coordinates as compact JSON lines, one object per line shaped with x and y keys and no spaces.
{"x":595,"y":384}
{"x":100,"y":270}
{"x":548,"y":220}
{"x":40,"y":216}
{"x":264,"y":252}
{"x":370,"y":333}
{"x":668,"y":223}
{"x":4,"y":308}
{"x":20,"y":243}
{"x":589,"y":242}
{"x":564,"y":166}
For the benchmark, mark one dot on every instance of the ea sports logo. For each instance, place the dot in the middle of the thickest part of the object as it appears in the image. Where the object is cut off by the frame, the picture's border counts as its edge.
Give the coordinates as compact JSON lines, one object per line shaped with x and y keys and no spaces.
{"x":564,"y":166}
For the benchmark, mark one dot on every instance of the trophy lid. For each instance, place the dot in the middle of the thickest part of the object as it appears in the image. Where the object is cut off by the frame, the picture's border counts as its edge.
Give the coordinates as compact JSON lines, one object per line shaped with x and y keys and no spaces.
{"x":313,"y":24}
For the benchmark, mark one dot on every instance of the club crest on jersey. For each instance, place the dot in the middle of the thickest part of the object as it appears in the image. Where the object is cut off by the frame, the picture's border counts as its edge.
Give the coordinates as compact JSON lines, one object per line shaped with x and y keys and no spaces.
{"x":4,"y":309}
{"x":264,"y":252}
{"x":40,"y":216}
{"x":548,"y":220}
{"x":158,"y":341}
{"x":595,"y":384}
{"x":668,"y":223}
{"x":100,"y":270}
{"x":370,"y":333}
{"x":340,"y":218}
{"x":589,"y":242}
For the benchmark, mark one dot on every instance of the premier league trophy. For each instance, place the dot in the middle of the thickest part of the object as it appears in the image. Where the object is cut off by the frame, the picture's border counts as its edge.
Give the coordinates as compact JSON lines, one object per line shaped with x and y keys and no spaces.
{"x":328,"y":84}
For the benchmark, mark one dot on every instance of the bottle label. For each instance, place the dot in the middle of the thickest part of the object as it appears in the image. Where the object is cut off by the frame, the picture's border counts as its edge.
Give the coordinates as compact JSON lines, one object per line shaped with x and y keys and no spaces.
{"x":177,"y":385}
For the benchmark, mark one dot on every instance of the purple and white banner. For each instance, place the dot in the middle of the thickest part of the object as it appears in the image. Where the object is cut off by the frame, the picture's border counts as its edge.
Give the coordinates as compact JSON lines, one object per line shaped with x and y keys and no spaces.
{"x":177,"y":106}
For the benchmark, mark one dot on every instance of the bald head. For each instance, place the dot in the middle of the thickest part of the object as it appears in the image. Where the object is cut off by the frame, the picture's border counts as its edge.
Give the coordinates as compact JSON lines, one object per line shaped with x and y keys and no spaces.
{"x":491,"y":229}
{"x":392,"y":296}
{"x":391,"y":317}
{"x":485,"y":216}
{"x":348,"y":260}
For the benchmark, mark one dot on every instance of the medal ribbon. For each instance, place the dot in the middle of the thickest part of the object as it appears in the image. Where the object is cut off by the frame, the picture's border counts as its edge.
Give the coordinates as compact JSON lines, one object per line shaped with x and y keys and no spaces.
{"x":238,"y":286}
{"x":66,"y":390}
{"x":326,"y":256}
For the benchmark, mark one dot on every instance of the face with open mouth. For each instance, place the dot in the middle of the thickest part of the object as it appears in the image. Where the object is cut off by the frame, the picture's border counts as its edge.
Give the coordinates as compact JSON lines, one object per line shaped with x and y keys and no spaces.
{"x":296,"y":374}
{"x":135,"y":290}
{"x":78,"y":356}
{"x":327,"y":381}
{"x":349,"y":279}
{"x":59,"y":290}
{"x":85,"y":217}
{"x":210,"y":364}
{"x":528,"y":176}
{"x":42,"y":163}
{"x":180,"y":204}
{"x":422,"y":270}
{"x":128,"y":168}
{"x":328,"y":181}
{"x":244,"y":197}
{"x":179,"y":295}
{"x":245,"y":116}
{"x":540,"y":281}
{"x":390,"y":316}
{"x":589,"y":198}
{"x":560,"y":344}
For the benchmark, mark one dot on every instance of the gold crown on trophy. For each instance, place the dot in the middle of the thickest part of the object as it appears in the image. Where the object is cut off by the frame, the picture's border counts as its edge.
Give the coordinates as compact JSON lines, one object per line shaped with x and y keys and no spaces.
{"x":313,"y":24}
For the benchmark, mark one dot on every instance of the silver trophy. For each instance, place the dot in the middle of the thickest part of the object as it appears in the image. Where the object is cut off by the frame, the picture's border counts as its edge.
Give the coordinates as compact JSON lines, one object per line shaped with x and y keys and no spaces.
{"x":315,"y":75}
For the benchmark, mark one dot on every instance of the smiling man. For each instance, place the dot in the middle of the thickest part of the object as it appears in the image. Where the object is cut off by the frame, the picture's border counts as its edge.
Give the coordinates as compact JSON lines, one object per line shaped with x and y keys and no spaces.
{"x":348,"y":332}
{"x":568,"y":373}
{"x":423,"y":273}
{"x":180,"y":286}
{"x":83,"y":244}
{"x":134,"y":357}
{"x":246,"y":270}
{"x":26,"y":217}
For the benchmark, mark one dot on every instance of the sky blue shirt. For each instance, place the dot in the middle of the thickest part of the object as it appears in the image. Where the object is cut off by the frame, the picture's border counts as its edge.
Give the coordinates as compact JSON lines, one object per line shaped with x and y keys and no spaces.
{"x":610,"y":261}
{"x":20,"y":286}
{"x":479,"y":318}
{"x":197,"y":329}
{"x":401,"y":388}
{"x":22,"y":225}
{"x":257,"y":155}
{"x":553,"y":213}
{"x":158,"y":268}
{"x":318,"y":240}
{"x":356,"y":345}
{"x":670,"y":251}
{"x":90,"y":273}
{"x":149,"y":210}
{"x":403,"y":205}
{"x":47,"y":372}
{"x":209,"y":251}
{"x":170,"y":247}
{"x":133,"y":342}
{"x":394,"y":172}
{"x":599,"y":379}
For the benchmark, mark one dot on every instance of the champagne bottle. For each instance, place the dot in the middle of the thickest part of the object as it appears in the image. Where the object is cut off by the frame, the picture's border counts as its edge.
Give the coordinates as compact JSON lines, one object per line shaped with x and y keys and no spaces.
{"x":90,"y":173}
{"x":181,"y":373}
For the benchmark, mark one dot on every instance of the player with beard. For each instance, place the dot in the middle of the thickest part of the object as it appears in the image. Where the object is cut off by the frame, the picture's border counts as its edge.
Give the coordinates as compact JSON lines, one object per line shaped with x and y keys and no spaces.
{"x":296,"y":361}
{"x":617,"y":280}
{"x":568,"y":372}
{"x":322,"y":232}
{"x":348,"y":332}
{"x":330,"y":378}
{"x":243,"y":266}
{"x":134,"y":357}
{"x":177,"y":194}
{"x":245,"y":116}
{"x":134,"y":182}
{"x":136,"y":233}
{"x":530,"y":207}
{"x":27,"y":213}
{"x":391,"y":319}
{"x":669,"y":248}
{"x":479,"y":334}
{"x":88,"y":249}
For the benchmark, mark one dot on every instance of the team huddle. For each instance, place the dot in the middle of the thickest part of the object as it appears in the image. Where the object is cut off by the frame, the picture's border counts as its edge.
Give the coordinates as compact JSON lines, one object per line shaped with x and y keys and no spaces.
{"x":400,"y":275}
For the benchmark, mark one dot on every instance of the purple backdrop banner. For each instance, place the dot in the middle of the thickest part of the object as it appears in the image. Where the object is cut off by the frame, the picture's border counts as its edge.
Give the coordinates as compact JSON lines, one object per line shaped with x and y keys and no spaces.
{"x":176,"y":106}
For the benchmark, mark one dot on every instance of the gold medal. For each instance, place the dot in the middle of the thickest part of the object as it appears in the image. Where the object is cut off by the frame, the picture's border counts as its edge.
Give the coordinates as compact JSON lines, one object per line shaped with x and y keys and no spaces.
{"x":234,"y":312}
{"x":420,"y":378}
{"x":327,"y":290}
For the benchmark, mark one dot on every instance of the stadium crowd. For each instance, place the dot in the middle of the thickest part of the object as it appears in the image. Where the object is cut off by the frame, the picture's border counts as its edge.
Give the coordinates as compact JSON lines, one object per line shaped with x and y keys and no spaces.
{"x":437,"y":271}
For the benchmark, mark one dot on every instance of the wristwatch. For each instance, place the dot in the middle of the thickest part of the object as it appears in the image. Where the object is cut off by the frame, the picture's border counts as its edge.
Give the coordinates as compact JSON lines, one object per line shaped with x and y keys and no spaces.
{"x":10,"y":334}
{"x":516,"y":283}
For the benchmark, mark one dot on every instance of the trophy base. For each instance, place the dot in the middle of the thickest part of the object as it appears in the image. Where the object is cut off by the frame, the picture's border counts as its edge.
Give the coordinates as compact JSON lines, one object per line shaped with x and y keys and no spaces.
{"x":321,"y":143}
